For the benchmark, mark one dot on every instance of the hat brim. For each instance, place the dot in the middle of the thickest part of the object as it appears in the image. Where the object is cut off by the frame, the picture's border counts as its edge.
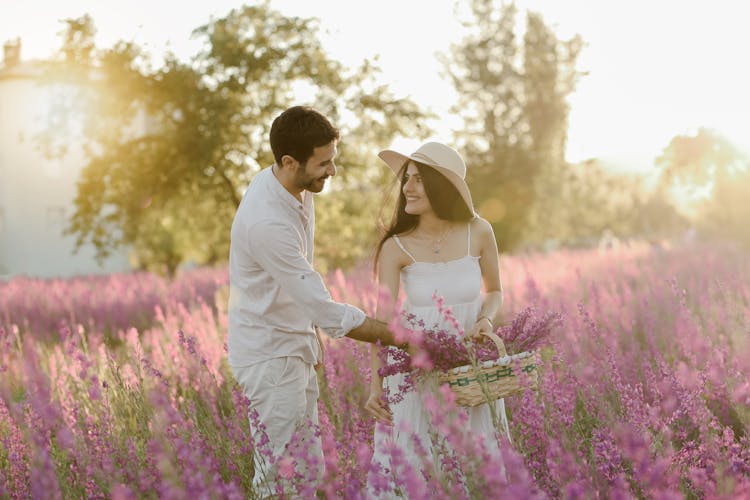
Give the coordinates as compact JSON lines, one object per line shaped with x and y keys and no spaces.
{"x":396,"y":160}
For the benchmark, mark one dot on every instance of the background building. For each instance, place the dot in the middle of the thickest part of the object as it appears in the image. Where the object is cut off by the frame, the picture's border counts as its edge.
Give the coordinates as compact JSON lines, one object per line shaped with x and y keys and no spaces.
{"x":36,"y":193}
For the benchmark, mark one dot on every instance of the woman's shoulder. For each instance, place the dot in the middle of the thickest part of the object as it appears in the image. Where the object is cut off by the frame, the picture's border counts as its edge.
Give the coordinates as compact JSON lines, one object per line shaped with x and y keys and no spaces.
{"x":481,"y":226}
{"x":392,"y":251}
{"x":389,"y":245}
{"x":483,"y":235}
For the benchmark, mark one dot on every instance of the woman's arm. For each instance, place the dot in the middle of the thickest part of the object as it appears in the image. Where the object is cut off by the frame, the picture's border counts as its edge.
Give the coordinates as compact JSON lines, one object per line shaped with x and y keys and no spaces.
{"x":390,"y":263}
{"x":490,"y":267}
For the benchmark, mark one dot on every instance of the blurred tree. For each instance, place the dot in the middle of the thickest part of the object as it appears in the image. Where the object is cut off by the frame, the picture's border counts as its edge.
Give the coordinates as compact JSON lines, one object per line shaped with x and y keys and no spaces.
{"x":583,"y":201}
{"x":691,"y":165}
{"x":655,"y":219}
{"x":171,"y":149}
{"x":512,"y":98}
{"x":707,"y":178}
{"x":728,"y":213}
{"x":586,"y":201}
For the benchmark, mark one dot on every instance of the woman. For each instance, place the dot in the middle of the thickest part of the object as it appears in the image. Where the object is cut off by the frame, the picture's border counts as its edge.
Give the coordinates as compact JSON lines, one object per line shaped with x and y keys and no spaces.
{"x":435,"y":244}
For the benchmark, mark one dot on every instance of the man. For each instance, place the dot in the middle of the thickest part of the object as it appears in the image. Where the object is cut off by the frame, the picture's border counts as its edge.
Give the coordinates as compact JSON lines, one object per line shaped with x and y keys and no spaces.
{"x":276,"y":297}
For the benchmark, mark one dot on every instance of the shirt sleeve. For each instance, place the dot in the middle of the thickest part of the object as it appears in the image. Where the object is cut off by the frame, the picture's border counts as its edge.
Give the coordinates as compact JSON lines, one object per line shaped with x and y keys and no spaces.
{"x":278,"y":248}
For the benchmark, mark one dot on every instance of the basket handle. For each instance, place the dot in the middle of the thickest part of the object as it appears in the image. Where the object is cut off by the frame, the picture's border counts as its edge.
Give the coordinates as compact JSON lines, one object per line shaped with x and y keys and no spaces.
{"x":501,"y":352}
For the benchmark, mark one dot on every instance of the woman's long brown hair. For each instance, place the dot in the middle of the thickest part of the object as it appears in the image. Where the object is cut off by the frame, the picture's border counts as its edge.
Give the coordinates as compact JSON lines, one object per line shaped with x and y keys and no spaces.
{"x":444,"y":198}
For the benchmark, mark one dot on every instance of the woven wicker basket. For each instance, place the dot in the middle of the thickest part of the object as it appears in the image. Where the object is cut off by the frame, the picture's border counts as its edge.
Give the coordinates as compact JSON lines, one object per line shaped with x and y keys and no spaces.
{"x":491,"y":380}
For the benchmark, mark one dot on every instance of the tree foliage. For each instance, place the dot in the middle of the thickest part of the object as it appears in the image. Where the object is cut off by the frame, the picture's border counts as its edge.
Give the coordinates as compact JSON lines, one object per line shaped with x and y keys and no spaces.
{"x":708,"y":179}
{"x":171,"y":149}
{"x":698,"y":162}
{"x":728,"y":212}
{"x":512,"y":98}
{"x":585,"y":202}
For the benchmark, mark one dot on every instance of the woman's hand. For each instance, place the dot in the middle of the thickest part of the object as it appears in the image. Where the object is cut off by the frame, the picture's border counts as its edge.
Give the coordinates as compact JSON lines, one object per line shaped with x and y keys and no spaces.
{"x":377,"y":407}
{"x":483,"y":325}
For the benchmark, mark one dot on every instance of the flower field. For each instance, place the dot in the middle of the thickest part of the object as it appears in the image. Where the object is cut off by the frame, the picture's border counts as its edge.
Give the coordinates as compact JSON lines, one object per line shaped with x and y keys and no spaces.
{"x":118,"y":387}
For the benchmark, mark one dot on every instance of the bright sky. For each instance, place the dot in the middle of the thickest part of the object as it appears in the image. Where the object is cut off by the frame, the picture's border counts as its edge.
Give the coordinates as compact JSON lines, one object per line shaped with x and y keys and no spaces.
{"x":656,"y":68}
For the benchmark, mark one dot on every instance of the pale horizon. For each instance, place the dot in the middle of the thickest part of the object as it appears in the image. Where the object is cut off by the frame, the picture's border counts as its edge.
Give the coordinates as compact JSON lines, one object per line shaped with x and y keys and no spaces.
{"x":655,"y":70}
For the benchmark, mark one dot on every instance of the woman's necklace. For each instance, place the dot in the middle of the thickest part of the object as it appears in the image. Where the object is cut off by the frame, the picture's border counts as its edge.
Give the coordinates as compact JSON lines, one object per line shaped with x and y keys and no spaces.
{"x":437,"y":244}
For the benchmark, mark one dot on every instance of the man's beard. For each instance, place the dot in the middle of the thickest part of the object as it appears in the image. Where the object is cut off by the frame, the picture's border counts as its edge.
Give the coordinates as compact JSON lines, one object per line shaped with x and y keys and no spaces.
{"x":314,"y":185}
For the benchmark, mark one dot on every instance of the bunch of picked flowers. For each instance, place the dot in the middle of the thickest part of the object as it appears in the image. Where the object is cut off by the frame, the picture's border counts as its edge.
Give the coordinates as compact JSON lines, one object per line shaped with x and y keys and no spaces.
{"x":442,"y":350}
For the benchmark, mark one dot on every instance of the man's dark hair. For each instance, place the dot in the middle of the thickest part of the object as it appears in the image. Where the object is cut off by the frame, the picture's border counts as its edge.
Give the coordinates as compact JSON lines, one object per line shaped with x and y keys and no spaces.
{"x":298,"y":131}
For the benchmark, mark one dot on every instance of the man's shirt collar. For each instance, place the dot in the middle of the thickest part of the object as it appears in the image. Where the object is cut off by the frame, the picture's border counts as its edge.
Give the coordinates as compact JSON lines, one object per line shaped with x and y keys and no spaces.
{"x":301,"y":207}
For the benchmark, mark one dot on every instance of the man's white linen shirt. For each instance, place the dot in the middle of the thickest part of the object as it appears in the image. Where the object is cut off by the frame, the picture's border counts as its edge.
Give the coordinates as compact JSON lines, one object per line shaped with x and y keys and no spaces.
{"x":275,"y":295}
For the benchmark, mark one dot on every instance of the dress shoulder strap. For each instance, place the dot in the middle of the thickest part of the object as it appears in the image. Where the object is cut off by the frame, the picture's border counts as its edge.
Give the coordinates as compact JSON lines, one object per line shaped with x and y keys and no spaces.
{"x":468,"y":239}
{"x":401,"y":246}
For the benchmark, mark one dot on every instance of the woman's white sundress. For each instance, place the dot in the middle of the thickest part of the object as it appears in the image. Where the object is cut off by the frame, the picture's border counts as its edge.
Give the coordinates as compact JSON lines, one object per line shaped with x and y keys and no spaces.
{"x":459,"y":282}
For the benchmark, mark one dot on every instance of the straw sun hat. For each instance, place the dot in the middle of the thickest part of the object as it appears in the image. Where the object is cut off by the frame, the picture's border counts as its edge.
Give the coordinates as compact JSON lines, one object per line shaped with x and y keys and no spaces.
{"x":442,"y":158}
